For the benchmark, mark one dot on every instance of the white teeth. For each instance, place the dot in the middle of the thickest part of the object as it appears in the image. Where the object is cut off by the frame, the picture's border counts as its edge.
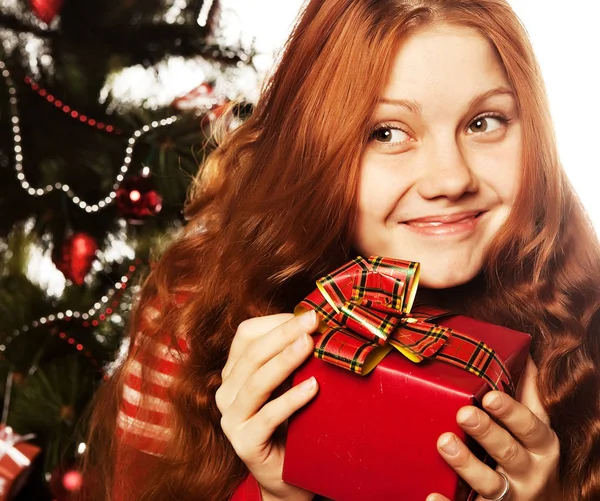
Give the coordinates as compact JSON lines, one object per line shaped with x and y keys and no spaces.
{"x":428,"y":224}
{"x":425,"y":225}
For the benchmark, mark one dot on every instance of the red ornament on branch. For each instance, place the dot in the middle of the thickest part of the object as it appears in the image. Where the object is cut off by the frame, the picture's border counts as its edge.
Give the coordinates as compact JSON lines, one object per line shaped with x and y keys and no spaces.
{"x":64,"y":483}
{"x":46,"y":10}
{"x":137,"y":199}
{"x":75,"y":257}
{"x":202,"y":97}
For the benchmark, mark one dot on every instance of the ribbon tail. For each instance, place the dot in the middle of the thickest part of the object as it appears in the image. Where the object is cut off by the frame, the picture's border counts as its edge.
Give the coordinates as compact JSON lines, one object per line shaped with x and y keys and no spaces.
{"x":479,"y":359}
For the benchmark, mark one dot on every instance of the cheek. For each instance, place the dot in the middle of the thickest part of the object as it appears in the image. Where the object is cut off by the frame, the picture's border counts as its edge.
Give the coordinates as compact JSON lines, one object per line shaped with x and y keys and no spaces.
{"x":501,"y":169}
{"x":506,"y":180}
{"x":381,"y":186}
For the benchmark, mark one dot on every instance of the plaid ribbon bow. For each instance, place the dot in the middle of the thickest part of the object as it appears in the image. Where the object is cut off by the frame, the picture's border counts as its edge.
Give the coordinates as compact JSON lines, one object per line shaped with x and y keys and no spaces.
{"x":366,"y":311}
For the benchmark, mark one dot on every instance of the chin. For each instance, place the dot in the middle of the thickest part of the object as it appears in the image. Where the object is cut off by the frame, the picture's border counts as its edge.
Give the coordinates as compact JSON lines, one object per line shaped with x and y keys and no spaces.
{"x":443,"y":280}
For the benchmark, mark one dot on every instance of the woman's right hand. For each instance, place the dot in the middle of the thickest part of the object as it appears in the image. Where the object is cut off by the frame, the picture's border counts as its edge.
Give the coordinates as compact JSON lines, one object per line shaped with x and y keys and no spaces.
{"x":264,"y":353}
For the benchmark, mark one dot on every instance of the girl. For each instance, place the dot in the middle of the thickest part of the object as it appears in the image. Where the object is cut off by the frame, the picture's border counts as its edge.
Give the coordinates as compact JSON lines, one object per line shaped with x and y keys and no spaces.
{"x":412,"y":129}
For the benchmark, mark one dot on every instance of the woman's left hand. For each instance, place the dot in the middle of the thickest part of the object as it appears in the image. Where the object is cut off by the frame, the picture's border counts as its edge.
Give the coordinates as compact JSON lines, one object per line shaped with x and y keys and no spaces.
{"x":527,"y":454}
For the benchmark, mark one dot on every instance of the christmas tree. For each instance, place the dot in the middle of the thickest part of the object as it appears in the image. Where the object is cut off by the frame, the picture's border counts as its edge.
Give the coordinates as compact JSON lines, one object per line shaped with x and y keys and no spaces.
{"x":107,"y":109}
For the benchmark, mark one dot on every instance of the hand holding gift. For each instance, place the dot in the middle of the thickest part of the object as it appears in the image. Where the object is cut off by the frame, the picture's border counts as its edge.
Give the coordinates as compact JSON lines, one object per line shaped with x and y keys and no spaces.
{"x":375,"y":437}
{"x":527,"y":454}
{"x":264,"y":353}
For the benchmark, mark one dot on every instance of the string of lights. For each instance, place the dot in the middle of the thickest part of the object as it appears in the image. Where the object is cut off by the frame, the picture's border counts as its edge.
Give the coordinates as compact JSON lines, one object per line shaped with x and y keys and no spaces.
{"x":98,"y":313}
{"x":38,"y":192}
{"x":65,"y":108}
{"x":204,"y":12}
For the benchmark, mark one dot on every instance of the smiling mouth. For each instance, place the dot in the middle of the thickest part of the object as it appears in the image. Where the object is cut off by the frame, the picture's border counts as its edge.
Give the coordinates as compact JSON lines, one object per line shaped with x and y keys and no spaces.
{"x":445,"y":219}
{"x":447,"y":224}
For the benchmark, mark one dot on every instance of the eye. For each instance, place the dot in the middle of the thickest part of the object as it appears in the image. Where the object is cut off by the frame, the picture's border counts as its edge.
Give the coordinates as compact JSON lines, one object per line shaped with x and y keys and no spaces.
{"x":487,"y":124}
{"x":389,"y":135}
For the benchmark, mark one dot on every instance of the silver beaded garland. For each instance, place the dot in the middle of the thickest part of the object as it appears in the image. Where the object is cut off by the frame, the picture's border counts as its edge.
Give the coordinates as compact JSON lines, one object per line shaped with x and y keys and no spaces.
{"x":38,"y":192}
{"x":70,"y":314}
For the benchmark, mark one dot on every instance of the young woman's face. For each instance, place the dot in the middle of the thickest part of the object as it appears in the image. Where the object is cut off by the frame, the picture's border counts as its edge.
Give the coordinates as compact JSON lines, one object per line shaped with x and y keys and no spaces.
{"x":440,"y":172}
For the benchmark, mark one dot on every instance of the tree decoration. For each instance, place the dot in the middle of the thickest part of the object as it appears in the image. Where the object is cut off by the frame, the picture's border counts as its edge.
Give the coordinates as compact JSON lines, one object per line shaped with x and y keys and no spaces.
{"x":79,"y":122}
{"x":137,"y":199}
{"x":69,"y":110}
{"x":16,"y":461}
{"x":64,"y":483}
{"x":100,"y":312}
{"x":89,"y":207}
{"x":200,"y":98}
{"x":46,"y":10}
{"x":75,"y":257}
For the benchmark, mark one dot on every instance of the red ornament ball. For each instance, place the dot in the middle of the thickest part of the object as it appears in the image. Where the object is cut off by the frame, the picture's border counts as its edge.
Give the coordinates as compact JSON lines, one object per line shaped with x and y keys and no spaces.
{"x":72,"y":481}
{"x":137,"y":199}
{"x":64,"y":483}
{"x":75,"y":257}
{"x":46,"y":10}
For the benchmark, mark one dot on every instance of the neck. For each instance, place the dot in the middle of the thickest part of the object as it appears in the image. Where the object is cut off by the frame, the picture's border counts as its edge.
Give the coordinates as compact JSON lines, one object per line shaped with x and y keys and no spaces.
{"x":455,"y":299}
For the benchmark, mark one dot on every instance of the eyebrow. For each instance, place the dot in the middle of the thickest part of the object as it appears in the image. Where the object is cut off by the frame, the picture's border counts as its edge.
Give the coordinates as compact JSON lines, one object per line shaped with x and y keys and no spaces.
{"x":415,"y":107}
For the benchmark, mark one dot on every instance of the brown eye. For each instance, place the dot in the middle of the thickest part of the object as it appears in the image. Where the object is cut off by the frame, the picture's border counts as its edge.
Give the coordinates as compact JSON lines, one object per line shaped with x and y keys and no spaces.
{"x":383,"y":135}
{"x":480,"y":125}
{"x":390,"y":135}
{"x":486,"y":124}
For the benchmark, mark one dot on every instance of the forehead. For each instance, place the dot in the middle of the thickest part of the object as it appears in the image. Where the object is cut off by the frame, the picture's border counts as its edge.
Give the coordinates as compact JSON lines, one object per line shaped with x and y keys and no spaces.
{"x":446,"y":63}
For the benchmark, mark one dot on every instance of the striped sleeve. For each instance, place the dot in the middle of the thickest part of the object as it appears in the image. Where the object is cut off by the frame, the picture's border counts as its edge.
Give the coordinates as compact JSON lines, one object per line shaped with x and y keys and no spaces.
{"x":146,"y":410}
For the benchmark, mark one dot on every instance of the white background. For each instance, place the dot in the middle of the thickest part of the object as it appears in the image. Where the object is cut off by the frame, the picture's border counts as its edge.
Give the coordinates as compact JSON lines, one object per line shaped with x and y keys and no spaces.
{"x":566,"y":38}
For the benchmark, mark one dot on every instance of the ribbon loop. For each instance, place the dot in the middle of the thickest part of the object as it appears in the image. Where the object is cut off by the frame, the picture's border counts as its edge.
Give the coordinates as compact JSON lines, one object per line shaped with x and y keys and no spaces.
{"x":340,"y":348}
{"x":365,"y":309}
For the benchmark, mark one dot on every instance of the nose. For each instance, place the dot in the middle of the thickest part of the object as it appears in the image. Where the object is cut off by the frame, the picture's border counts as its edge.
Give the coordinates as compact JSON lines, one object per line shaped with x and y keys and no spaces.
{"x":447,"y":173}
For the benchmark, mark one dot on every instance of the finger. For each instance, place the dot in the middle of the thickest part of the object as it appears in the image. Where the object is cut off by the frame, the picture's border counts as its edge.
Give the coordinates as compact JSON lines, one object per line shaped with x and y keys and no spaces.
{"x":266,"y":343}
{"x":528,"y":394}
{"x":535,"y":435}
{"x":497,"y":442}
{"x":247,"y":332}
{"x":479,"y":476}
{"x":264,"y":423}
{"x":436,"y":497}
{"x":265,"y":348}
{"x":257,"y":389}
{"x":261,"y":349}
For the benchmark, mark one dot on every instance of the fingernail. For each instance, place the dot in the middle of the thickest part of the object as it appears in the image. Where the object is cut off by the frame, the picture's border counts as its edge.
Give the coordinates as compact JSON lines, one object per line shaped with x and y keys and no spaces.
{"x":308,"y":386}
{"x":299,"y":346}
{"x":470,"y":419}
{"x":494,"y":402}
{"x":308,"y":319}
{"x":450,"y":445}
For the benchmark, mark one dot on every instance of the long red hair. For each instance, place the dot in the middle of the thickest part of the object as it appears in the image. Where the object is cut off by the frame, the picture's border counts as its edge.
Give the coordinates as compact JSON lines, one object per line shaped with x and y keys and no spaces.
{"x":273,"y":209}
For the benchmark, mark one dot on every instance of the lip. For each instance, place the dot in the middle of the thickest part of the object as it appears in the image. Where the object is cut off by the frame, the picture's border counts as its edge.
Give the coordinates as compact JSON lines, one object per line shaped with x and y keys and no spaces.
{"x":459,"y":223}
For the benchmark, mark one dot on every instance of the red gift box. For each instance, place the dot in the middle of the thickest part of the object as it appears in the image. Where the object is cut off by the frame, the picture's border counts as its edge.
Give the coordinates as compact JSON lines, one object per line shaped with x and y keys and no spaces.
{"x":373,"y":437}
{"x":16,"y":456}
